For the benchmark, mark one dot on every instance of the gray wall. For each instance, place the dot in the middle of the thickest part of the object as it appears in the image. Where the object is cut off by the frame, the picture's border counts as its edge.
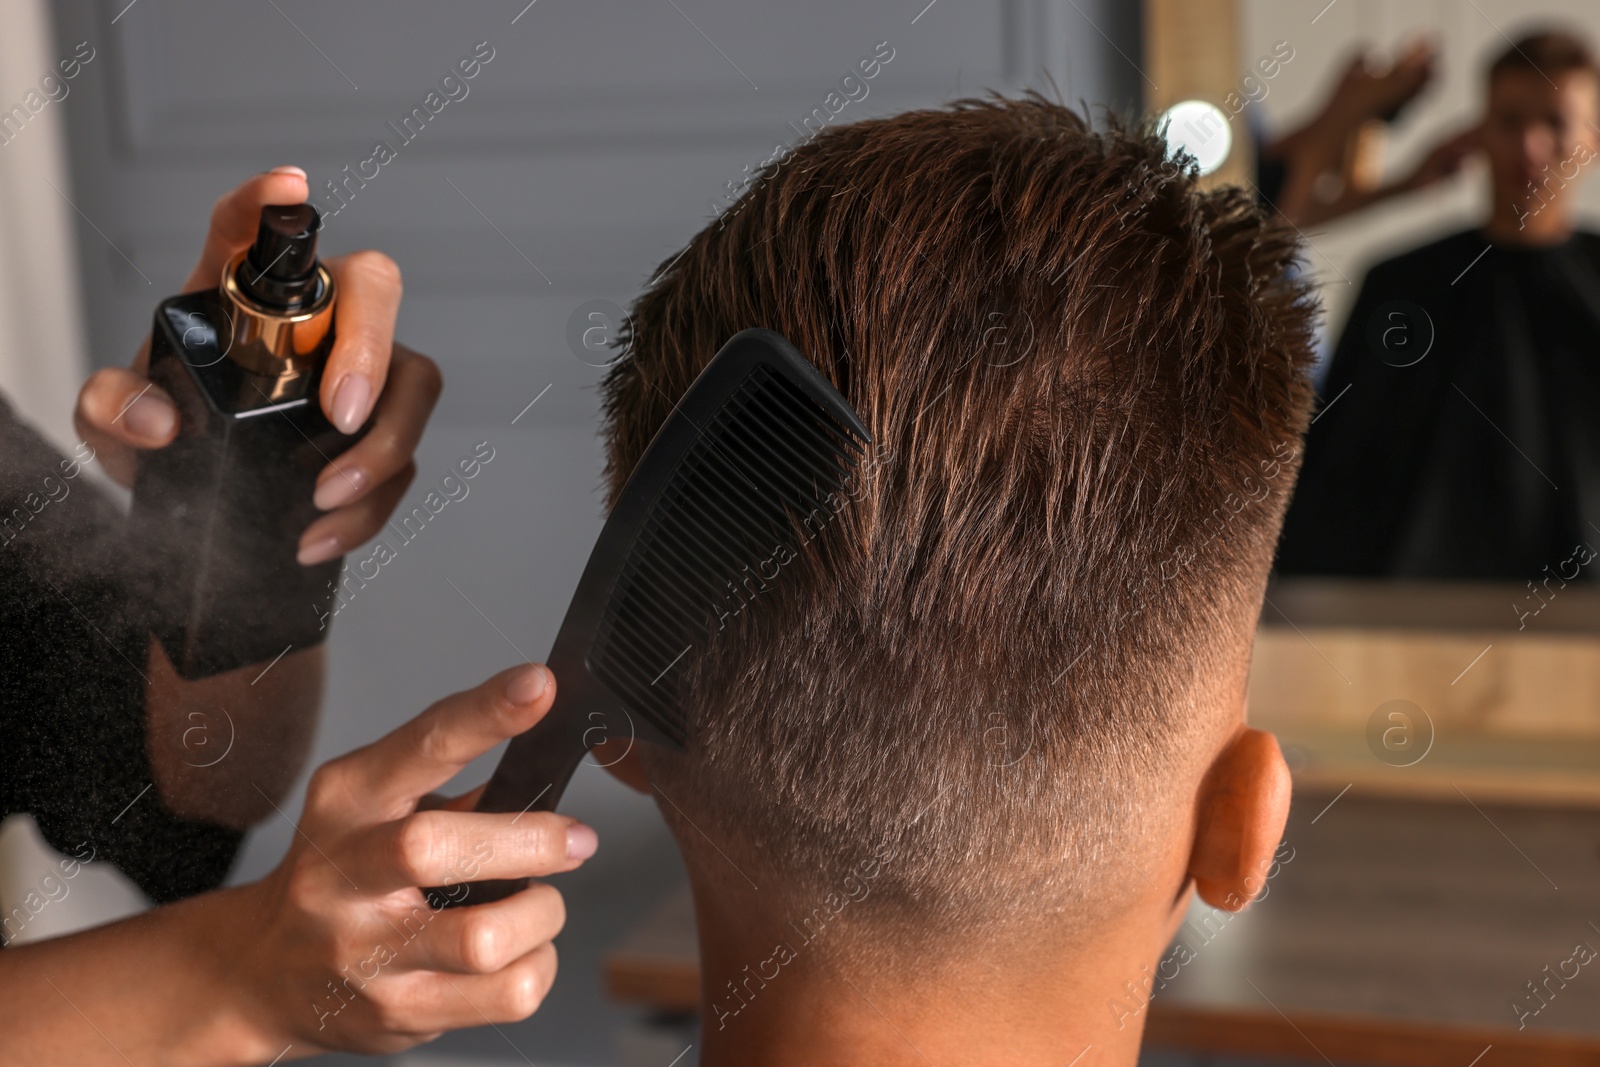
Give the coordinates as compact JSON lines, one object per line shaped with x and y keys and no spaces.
{"x":585,"y":153}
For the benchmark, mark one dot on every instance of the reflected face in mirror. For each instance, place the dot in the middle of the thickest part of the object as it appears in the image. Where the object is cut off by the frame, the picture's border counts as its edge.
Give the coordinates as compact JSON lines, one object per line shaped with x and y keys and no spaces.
{"x":1539,"y":134}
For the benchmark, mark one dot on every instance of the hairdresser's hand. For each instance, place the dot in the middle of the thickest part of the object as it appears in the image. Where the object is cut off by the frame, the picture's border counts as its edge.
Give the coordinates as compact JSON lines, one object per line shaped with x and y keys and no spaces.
{"x":1444,"y":159}
{"x":344,"y":903}
{"x":1369,"y":88}
{"x":335,"y":949}
{"x":120,"y":412}
{"x":1365,"y":92}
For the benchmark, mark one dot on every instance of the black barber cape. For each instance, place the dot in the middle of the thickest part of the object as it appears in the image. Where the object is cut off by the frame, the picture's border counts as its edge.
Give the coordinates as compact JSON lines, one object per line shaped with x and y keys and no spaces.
{"x":1458,"y":435}
{"x":72,"y":649}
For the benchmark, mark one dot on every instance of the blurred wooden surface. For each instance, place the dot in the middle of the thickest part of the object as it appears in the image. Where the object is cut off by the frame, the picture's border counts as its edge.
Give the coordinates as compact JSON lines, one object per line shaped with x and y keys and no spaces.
{"x":657,"y":962}
{"x":1398,"y":932}
{"x":1512,"y":701}
{"x":1191,"y":52}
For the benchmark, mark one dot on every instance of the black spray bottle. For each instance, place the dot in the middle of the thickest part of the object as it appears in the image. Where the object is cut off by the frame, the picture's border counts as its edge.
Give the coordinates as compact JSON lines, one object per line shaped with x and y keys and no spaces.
{"x":217,"y":515}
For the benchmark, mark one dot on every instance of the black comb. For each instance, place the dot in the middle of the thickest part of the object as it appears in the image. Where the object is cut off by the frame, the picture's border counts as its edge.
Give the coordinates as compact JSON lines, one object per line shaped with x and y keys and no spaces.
{"x":751,"y":451}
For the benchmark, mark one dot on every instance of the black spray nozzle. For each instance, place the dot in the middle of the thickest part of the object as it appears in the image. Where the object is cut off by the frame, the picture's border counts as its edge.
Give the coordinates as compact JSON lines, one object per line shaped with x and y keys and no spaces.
{"x":281,"y":267}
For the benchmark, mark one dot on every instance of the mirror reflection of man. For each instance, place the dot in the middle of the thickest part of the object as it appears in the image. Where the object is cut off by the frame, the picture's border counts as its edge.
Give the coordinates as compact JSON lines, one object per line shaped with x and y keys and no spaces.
{"x":1459,"y":434}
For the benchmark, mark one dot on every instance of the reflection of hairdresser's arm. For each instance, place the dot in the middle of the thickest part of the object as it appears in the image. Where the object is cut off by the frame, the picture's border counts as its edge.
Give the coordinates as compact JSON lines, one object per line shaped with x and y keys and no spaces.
{"x":1300,"y":204}
{"x":1330,"y":145}
{"x":226,"y":748}
{"x":73,"y":751}
{"x":335,"y":949}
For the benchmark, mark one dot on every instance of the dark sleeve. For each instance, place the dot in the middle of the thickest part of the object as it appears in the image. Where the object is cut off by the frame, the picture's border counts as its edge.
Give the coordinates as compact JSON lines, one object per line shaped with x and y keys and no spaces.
{"x":1361,"y":461}
{"x":72,"y":660}
{"x":1271,"y":174}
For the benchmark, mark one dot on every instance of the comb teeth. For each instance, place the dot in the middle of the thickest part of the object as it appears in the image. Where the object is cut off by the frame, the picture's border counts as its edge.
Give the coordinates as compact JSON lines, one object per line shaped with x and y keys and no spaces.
{"x":768,"y":457}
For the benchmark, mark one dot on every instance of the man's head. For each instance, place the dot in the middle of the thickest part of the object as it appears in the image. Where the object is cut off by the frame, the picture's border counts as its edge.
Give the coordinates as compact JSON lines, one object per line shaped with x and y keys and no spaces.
{"x":1540,"y":123}
{"x":997,"y":681}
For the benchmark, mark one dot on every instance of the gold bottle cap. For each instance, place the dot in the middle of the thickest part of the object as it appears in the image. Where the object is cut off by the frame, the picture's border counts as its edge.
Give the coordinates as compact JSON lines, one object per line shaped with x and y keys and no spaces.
{"x":273,"y":342}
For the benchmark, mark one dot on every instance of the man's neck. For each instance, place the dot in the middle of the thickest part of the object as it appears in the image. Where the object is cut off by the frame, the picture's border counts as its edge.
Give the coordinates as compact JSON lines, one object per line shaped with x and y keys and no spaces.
{"x":776,"y":999}
{"x":1530,"y":222}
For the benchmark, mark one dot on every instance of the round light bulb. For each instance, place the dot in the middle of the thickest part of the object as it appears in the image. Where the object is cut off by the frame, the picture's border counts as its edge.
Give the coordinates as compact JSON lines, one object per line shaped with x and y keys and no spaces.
{"x":1200,"y":129}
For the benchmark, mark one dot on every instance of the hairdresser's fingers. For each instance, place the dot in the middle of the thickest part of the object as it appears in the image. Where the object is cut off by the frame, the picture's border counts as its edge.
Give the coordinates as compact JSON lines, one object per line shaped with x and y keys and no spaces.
{"x":363,"y":319}
{"x":341,"y":531}
{"x":1446,"y":158}
{"x":397,"y":425}
{"x":507,"y":996}
{"x":236,"y":217}
{"x":467,"y":801}
{"x":429,"y":848}
{"x":120,"y":411}
{"x":1465,"y":143}
{"x":385,"y":778}
{"x":490,"y":937}
{"x":141,"y":358}
{"x":1420,"y":53}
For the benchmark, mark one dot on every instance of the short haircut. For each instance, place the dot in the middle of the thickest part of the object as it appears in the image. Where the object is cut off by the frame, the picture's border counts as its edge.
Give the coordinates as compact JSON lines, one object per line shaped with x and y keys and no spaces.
{"x":1087,"y":380}
{"x":1549,"y":52}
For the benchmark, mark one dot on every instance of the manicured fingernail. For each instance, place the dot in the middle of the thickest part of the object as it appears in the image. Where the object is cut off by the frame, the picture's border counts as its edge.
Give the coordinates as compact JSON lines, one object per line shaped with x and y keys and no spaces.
{"x":350,"y":402}
{"x":526,"y":686}
{"x":151,"y":417}
{"x":319,"y":551}
{"x":287,"y":168}
{"x":340,"y":489}
{"x":581,"y":841}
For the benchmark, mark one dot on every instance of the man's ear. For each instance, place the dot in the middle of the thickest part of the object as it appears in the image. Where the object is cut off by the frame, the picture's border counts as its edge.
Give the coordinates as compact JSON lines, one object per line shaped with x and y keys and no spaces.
{"x":1243,"y":805}
{"x":621,"y":757}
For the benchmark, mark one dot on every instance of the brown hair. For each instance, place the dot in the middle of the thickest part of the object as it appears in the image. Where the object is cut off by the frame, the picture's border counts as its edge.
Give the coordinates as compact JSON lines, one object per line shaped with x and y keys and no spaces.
{"x":1087,"y":380}
{"x":1550,"y":52}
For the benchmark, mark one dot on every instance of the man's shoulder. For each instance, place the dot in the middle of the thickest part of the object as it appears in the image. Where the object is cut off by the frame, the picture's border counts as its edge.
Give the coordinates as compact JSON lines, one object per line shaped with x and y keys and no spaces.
{"x":1424,"y":261}
{"x":1588,"y":242}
